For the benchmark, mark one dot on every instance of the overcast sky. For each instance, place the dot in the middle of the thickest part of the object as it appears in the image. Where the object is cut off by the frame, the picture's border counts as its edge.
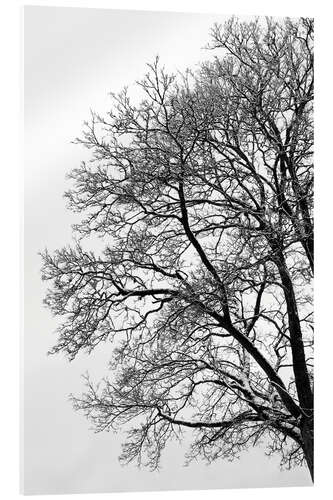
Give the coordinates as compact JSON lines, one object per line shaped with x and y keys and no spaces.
{"x":72,"y":59}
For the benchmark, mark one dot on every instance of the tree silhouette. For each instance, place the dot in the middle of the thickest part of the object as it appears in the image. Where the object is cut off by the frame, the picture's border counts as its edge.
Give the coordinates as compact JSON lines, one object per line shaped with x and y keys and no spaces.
{"x":202,"y":194}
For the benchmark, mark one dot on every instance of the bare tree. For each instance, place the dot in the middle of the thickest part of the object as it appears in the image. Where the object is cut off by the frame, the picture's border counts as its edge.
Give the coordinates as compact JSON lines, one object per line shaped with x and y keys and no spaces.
{"x":202,"y":194}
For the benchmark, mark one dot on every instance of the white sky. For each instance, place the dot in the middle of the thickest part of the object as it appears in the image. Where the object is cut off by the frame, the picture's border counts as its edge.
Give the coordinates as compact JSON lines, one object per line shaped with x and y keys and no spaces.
{"x":73,"y":58}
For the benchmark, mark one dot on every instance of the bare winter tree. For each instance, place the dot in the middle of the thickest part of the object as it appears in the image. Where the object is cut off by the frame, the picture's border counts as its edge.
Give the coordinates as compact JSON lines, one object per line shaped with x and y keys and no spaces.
{"x":202,"y":194}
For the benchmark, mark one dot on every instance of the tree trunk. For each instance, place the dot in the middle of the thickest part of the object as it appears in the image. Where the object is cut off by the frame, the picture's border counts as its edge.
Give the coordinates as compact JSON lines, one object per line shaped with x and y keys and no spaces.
{"x":302,"y":380}
{"x":308,"y":442}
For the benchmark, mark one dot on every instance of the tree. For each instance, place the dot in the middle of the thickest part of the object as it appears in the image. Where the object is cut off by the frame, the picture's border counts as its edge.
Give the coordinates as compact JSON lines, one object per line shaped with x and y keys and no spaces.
{"x":202,"y":194}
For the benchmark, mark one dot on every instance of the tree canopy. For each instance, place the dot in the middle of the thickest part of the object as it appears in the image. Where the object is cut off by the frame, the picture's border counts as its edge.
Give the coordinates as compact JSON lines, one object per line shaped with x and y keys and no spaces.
{"x":202,"y":194}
